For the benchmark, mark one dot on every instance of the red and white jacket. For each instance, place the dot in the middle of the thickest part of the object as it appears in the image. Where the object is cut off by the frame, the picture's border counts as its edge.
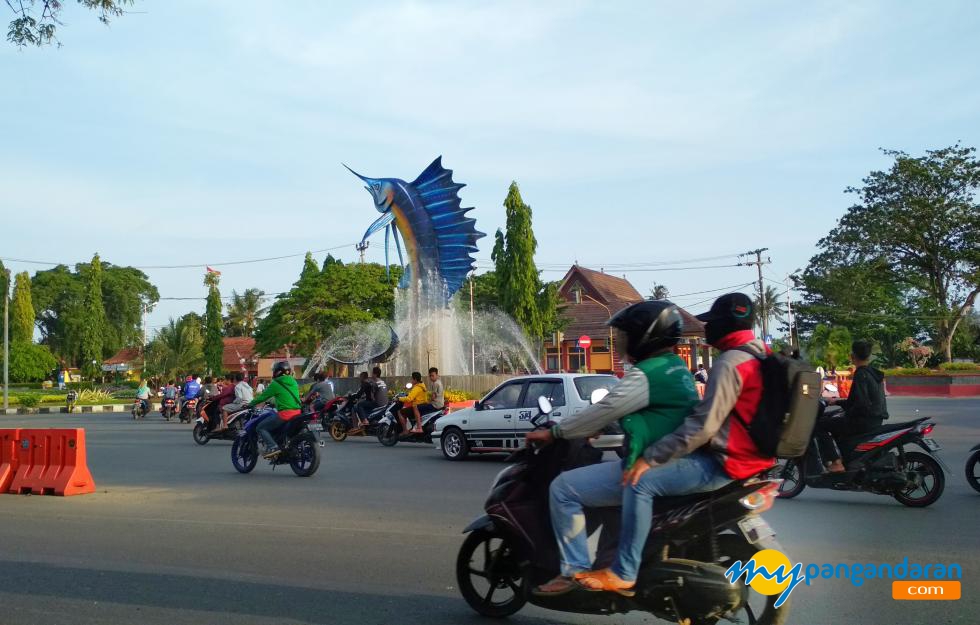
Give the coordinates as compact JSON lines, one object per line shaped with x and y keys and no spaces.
{"x":734,"y":387}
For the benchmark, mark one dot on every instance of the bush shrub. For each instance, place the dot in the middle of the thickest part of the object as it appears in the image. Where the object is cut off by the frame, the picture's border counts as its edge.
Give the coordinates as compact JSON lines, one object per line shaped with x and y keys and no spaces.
{"x":29,"y":401}
{"x":959,"y":366}
{"x":909,"y":371}
{"x":455,"y":395}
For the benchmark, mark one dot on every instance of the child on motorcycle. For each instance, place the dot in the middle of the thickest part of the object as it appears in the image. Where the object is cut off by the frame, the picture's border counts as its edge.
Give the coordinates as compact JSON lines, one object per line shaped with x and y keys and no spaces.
{"x":416,"y":395}
{"x":284,"y":390}
{"x":651,"y":401}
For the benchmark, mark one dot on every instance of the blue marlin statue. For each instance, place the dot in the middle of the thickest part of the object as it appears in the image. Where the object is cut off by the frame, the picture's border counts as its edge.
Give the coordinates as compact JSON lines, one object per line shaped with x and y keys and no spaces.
{"x":439,"y":238}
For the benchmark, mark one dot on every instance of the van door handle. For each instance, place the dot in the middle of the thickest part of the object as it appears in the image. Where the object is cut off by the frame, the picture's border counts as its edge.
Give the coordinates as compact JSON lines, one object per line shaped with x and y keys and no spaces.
{"x":507,"y":416}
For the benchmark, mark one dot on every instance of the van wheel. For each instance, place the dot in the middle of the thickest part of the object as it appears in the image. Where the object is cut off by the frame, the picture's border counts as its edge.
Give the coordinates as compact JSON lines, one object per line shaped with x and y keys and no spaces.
{"x":454,"y":445}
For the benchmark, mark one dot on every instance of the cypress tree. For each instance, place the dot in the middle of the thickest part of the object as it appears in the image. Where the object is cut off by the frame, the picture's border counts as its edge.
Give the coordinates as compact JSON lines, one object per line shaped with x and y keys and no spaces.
{"x":22,"y":310}
{"x":213,"y":323}
{"x":93,"y":322}
{"x":513,"y":254}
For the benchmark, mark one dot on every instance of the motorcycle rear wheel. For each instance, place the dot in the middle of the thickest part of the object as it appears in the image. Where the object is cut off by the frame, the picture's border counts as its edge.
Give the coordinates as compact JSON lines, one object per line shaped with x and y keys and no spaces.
{"x":927,"y":467}
{"x":791,"y":474}
{"x":200,"y":434}
{"x":973,"y":470}
{"x":304,"y":457}
{"x":734,"y":547}
{"x":496,"y":568}
{"x":338,"y":431}
{"x":388,"y":435}
{"x":244,"y":453}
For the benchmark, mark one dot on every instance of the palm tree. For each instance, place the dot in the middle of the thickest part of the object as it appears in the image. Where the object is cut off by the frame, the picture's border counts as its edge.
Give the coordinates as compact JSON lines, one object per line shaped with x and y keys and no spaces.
{"x":177,"y":347}
{"x":245,"y":312}
{"x":659,"y":291}
{"x":773,"y":308}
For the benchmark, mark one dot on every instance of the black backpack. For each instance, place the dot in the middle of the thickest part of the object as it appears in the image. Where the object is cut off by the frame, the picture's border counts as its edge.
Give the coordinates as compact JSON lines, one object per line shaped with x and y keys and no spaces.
{"x":788,"y":410}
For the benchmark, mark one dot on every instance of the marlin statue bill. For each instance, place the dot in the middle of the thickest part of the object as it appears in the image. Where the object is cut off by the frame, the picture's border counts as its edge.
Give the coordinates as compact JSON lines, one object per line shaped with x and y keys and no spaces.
{"x":439,"y":238}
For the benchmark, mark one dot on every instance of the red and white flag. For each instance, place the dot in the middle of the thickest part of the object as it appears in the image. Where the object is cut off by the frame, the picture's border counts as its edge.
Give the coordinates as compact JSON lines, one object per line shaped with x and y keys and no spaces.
{"x":214,"y":271}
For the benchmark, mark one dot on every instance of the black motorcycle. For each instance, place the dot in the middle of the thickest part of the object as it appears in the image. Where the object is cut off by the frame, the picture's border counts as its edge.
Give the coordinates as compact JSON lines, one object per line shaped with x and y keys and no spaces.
{"x":344,"y":420}
{"x":298,"y":444}
{"x":876,"y":462}
{"x":168,"y":407}
{"x":208,"y":420}
{"x":973,"y":468}
{"x":390,"y":430}
{"x":693,"y":541}
{"x":188,"y":410}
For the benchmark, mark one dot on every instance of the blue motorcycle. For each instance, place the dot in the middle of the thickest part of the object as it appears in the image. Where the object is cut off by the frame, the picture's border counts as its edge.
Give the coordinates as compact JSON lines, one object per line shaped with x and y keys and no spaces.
{"x":299,"y":446}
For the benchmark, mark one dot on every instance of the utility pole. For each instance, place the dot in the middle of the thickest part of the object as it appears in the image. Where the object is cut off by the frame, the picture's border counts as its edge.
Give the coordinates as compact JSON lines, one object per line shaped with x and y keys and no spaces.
{"x":144,"y":341}
{"x":758,"y":262}
{"x":6,"y":339}
{"x":472,"y":330}
{"x":362,"y":247}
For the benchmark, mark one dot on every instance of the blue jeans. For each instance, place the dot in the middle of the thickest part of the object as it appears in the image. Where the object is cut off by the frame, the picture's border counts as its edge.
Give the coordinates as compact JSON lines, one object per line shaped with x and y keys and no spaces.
{"x":600,"y":485}
{"x":266,"y":427}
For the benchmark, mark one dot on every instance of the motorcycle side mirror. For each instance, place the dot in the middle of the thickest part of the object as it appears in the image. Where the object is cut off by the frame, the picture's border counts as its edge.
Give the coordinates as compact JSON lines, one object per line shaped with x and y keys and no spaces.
{"x":598,"y":394}
{"x":544,"y":405}
{"x":478,"y":406}
{"x":409,"y":385}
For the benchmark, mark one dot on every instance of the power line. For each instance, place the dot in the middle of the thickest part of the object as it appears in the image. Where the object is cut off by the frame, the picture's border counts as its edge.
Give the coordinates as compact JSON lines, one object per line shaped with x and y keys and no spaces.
{"x":724,"y":288}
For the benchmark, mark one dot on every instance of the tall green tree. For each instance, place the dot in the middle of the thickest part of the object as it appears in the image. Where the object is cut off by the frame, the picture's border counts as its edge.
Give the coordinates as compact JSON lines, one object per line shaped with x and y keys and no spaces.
{"x":244,"y":312}
{"x":921,"y":218}
{"x":322,"y":301}
{"x":513,"y":255}
{"x":59,"y":296}
{"x":22,"y":310}
{"x":36,"y":22}
{"x":214,"y":346}
{"x":29,"y":362}
{"x":93,"y":320}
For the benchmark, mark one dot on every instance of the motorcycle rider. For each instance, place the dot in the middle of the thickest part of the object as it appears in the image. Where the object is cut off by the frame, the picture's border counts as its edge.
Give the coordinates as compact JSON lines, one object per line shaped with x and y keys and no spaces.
{"x":191,"y":390}
{"x":320,"y":393}
{"x":375,"y":396}
{"x":436,"y":398}
{"x":284,"y":390}
{"x":416,"y":395}
{"x":652,"y":400}
{"x":708,"y":450}
{"x":143,"y":394}
{"x":241,"y":396}
{"x":864,"y":408}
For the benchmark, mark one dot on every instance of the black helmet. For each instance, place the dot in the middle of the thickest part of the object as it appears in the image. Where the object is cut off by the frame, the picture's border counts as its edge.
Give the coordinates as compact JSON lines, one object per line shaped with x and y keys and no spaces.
{"x":281,"y":368}
{"x":650,"y":325}
{"x":729,"y":313}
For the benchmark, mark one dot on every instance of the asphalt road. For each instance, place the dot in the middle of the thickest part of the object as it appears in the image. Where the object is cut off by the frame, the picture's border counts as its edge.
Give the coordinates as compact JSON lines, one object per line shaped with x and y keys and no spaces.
{"x":175,"y":536}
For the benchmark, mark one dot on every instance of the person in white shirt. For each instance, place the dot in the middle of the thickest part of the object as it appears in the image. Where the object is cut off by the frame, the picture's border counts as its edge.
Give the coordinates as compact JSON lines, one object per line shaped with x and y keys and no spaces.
{"x":243,"y":395}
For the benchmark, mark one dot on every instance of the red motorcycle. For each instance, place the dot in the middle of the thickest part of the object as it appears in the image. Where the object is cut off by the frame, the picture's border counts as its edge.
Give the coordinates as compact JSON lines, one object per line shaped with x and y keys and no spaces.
{"x":168,"y":407}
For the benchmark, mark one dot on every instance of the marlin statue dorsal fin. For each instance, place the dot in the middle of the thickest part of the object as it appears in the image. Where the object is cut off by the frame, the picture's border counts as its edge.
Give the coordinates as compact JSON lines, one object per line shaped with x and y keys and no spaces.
{"x":439,"y":238}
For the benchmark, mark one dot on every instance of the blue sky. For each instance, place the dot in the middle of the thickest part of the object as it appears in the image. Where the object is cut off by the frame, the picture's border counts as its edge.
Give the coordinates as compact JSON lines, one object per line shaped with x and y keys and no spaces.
{"x":201,"y":132}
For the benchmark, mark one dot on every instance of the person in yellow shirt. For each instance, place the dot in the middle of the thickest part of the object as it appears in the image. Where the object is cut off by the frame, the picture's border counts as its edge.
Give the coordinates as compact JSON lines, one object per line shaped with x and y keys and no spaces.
{"x":416,"y":395}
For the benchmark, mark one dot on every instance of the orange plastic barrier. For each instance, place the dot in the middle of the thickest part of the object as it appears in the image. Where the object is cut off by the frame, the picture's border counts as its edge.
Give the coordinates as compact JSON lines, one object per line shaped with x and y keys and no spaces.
{"x":51,"y":462}
{"x":8,"y":457}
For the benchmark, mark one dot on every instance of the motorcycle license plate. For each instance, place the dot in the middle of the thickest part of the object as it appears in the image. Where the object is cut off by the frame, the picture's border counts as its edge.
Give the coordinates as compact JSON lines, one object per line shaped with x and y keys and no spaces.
{"x":931,"y":444}
{"x":315,"y":427}
{"x":755,"y":528}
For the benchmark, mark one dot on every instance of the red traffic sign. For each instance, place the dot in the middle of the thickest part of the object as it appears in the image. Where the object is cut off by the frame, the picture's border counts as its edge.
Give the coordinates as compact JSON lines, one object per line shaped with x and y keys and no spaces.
{"x":584,"y":341}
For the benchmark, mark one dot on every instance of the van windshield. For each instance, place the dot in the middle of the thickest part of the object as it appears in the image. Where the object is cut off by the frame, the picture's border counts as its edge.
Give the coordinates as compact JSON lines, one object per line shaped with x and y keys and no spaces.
{"x":586,"y":384}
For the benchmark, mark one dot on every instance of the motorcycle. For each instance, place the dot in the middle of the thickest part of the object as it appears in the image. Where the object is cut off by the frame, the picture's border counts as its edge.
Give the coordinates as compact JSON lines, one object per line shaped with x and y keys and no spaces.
{"x":298,"y":444}
{"x":70,"y":400}
{"x":208,"y":419}
{"x":344,"y":421}
{"x":973,"y":468}
{"x":167,"y":408}
{"x":876,"y":462}
{"x":389,"y":429}
{"x":693,"y":541}
{"x":139,"y":409}
{"x":188,"y":410}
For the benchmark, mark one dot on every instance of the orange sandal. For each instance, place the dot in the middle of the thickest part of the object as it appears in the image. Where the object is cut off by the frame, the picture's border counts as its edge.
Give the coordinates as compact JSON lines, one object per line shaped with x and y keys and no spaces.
{"x":605,"y":580}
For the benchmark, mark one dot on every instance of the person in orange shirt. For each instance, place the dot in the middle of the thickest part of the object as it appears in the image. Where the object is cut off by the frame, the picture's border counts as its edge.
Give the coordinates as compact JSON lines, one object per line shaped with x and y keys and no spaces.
{"x":418,"y":394}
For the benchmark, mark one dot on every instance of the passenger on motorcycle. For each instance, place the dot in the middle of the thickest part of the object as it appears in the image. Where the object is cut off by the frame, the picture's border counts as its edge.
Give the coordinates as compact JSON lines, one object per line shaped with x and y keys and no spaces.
{"x":416,"y":395}
{"x":864,"y":408}
{"x":284,"y":390}
{"x":320,"y":393}
{"x":143,"y":394}
{"x":436,"y":396}
{"x":651,"y":401}
{"x":374,"y":396}
{"x":241,"y":395}
{"x":170,"y":390}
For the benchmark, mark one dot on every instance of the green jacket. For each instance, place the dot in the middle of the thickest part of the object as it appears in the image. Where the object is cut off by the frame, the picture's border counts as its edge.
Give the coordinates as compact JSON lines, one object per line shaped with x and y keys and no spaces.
{"x":284,"y":390}
{"x":671,"y":396}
